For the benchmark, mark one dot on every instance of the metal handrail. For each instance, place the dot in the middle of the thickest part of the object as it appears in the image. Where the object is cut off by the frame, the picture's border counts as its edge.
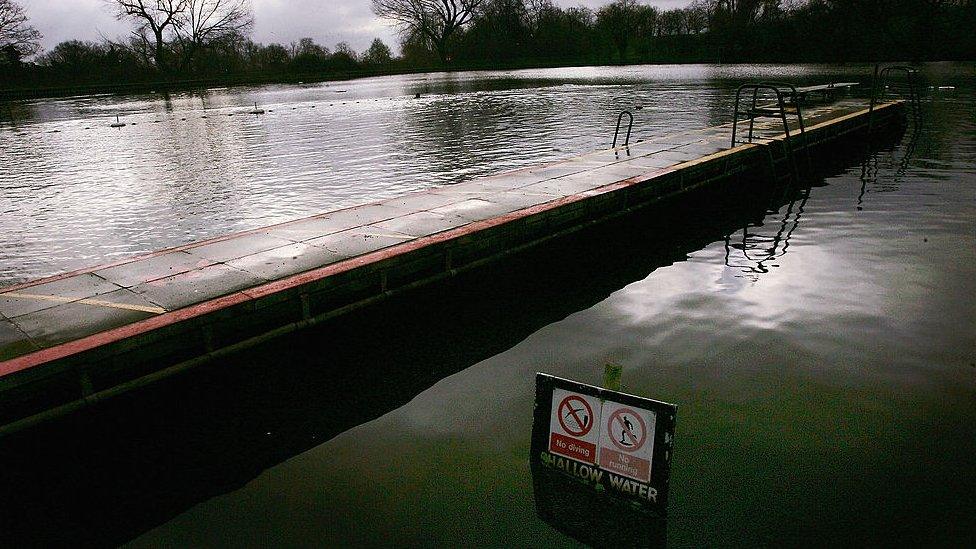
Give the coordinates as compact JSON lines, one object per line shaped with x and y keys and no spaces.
{"x":630,"y":128}
{"x":755,"y":111}
{"x":795,"y":102}
{"x":879,"y":87}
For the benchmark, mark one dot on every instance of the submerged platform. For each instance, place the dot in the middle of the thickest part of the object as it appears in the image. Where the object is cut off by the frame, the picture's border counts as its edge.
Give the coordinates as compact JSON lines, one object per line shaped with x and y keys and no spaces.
{"x":71,"y":340}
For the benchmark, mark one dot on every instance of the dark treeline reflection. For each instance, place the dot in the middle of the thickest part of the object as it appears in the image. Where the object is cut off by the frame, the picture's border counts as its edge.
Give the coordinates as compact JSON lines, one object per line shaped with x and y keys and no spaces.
{"x":514,"y":33}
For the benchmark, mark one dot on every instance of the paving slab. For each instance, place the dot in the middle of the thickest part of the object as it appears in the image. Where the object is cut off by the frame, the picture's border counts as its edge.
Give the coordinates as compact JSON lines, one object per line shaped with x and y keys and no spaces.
{"x":307,"y":229}
{"x":602,"y":158}
{"x":185,"y":289}
{"x":418,"y":202}
{"x":560,"y":170}
{"x":13,"y":342}
{"x":51,"y":294}
{"x":703,"y":148}
{"x":522,"y":199}
{"x":358,"y":242}
{"x":651,"y":147}
{"x":675,"y":156}
{"x":650,"y":162}
{"x":285,"y":261}
{"x":232,"y":248}
{"x":514,"y":180}
{"x":335,"y":222}
{"x":71,"y":321}
{"x":584,"y":163}
{"x":567,"y":186}
{"x":152,"y":268}
{"x":617,"y":172}
{"x":473,"y":189}
{"x":420,"y":224}
{"x":475,"y":209}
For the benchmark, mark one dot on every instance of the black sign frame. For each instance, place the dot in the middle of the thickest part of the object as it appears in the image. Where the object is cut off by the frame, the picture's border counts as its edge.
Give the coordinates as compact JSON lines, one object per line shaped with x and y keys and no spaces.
{"x":542,"y":460}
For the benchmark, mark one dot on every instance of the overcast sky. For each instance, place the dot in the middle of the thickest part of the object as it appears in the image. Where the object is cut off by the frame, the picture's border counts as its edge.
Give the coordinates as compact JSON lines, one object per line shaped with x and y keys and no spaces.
{"x":284,"y":21}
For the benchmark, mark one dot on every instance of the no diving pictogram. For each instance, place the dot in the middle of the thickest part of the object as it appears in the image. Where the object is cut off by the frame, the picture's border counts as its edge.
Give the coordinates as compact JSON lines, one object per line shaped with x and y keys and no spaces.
{"x":627,"y":430}
{"x":575,"y":416}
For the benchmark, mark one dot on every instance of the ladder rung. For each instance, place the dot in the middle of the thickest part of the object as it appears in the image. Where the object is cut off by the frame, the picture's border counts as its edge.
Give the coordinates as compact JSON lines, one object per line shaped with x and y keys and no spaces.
{"x":766,"y":112}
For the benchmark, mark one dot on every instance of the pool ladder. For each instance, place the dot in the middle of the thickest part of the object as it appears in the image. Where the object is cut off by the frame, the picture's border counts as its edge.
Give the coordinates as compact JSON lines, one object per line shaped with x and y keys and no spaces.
{"x":879,"y":90}
{"x":630,"y":128}
{"x":785,"y":104}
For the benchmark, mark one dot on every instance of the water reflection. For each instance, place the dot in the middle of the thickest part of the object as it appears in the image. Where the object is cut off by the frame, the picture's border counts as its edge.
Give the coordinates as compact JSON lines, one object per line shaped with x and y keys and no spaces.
{"x":878,"y":179}
{"x":132,"y":463}
{"x":758,"y":252}
{"x":591,"y":517}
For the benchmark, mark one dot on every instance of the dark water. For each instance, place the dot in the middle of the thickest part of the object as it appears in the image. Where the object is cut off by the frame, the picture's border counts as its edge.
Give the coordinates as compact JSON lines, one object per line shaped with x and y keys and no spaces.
{"x":819,"y":339}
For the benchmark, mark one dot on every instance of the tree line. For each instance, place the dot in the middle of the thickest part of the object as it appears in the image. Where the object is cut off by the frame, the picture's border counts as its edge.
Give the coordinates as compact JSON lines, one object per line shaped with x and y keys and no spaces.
{"x":210,"y":39}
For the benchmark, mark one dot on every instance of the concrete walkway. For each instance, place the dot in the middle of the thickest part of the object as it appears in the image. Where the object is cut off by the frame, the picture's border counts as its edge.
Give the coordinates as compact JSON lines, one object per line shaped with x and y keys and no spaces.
{"x":67,"y":316}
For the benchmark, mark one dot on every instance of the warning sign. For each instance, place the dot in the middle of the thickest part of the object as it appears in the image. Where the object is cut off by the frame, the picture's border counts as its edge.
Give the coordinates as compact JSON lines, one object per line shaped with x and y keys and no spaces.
{"x":600,"y":437}
{"x":627,"y":441}
{"x":571,"y":423}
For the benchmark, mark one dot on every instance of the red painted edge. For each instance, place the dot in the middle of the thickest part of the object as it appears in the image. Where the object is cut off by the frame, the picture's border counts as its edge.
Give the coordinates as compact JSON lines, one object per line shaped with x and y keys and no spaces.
{"x":88,"y":343}
{"x":114,"y":335}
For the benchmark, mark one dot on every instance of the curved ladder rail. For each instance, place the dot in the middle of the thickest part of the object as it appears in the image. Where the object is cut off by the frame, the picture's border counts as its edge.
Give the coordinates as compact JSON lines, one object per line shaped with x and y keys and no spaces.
{"x":630,"y":128}
{"x":879,"y":89}
{"x":776,"y":111}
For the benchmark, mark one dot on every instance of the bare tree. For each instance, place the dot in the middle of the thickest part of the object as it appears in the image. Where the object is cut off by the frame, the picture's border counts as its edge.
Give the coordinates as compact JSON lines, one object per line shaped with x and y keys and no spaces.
{"x":437,"y":21}
{"x":204,"y":22}
{"x":17,"y":38}
{"x":192,"y":24}
{"x":155,"y":20}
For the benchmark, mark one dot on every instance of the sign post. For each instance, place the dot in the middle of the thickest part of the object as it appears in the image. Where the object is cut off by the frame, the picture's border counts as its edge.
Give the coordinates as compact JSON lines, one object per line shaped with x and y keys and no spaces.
{"x":616,"y":443}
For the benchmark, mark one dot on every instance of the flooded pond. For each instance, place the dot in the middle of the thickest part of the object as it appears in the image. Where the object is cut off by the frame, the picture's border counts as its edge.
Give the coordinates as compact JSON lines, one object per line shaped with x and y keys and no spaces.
{"x":818,"y":337}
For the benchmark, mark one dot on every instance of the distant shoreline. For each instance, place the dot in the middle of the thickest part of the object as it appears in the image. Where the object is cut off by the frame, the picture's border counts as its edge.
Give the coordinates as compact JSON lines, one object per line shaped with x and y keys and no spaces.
{"x":163,"y":86}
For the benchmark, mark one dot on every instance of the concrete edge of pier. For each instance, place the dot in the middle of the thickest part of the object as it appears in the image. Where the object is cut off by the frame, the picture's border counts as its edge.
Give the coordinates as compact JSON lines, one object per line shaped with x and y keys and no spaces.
{"x":77,"y":373}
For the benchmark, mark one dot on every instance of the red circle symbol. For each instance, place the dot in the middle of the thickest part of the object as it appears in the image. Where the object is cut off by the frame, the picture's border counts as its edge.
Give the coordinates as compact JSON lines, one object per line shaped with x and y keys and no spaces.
{"x":629,"y":442}
{"x":575,"y":416}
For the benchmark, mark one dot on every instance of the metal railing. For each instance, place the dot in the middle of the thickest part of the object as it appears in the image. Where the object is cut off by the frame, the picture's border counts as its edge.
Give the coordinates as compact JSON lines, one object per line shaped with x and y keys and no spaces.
{"x":880,"y":86}
{"x":778,"y":110}
{"x":630,"y":128}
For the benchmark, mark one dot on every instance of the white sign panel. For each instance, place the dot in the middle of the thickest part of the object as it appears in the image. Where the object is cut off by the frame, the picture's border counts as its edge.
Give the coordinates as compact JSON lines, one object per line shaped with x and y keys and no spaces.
{"x":574,"y":425}
{"x":626,"y":443}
